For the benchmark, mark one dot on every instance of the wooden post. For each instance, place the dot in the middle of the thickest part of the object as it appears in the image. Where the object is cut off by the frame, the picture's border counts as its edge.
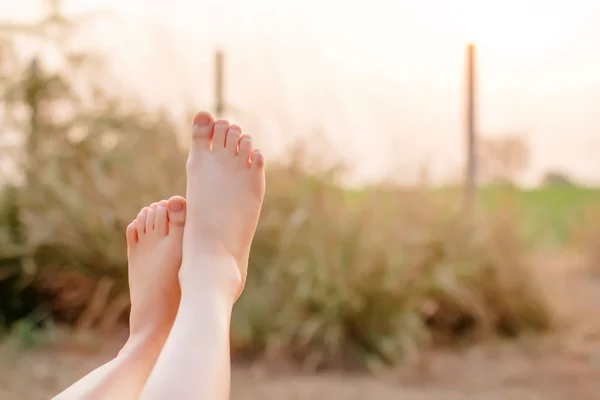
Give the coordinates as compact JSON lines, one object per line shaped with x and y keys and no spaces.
{"x":471,"y":129}
{"x":34,"y":86}
{"x":219,"y":80}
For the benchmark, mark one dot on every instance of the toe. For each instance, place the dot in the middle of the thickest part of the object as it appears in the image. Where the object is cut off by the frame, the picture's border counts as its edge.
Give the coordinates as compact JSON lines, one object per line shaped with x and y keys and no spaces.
{"x":245,"y":149}
{"x":131,"y":234}
{"x":140,"y":222}
{"x":161,"y":220}
{"x":257,"y":160}
{"x":233,"y":137}
{"x":151,"y":217}
{"x":220,"y":132}
{"x":202,"y":131}
{"x":176,"y":215}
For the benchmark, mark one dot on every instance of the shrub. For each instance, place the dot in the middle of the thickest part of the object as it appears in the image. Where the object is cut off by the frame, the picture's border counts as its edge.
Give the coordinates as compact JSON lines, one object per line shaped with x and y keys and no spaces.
{"x":340,"y":281}
{"x":586,"y":240}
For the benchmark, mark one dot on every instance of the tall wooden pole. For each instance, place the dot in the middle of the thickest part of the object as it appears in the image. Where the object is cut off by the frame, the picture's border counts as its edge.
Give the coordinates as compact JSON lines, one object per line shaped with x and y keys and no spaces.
{"x":219,"y":81}
{"x":471,"y":129}
{"x":34,"y":92}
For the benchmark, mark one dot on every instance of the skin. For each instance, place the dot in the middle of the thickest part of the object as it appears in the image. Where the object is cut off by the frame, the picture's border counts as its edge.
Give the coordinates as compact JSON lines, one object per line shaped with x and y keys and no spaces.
{"x":225,"y":191}
{"x":184,"y":282}
{"x":154,"y":242}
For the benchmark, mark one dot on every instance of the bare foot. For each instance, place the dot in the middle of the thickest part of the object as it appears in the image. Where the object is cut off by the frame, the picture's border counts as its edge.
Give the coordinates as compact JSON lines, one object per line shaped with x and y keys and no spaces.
{"x":225,"y":190}
{"x":154,"y":242}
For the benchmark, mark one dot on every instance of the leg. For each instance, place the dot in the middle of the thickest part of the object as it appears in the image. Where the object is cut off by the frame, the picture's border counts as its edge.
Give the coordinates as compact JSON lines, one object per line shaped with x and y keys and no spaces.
{"x":154,"y":241}
{"x":225,"y":190}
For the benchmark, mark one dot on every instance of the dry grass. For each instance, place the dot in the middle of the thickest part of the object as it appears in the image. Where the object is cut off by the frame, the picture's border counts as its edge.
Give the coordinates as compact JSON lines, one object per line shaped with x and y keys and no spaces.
{"x":371,"y":278}
{"x":558,"y":367}
{"x":586,"y":240}
{"x":338,"y":278}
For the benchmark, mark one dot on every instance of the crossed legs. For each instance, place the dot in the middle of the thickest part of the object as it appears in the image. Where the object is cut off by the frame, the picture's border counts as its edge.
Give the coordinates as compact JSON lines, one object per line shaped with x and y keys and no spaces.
{"x":187,"y":267}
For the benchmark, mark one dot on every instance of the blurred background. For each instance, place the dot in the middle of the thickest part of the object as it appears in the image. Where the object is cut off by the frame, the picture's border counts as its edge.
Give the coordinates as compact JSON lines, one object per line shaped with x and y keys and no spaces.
{"x":431,"y":228}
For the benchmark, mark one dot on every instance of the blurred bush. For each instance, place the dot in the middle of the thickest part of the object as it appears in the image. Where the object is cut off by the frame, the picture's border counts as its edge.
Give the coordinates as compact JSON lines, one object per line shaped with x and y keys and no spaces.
{"x":79,"y":161}
{"x":585,"y":240}
{"x":558,"y":178}
{"x":339,"y":277}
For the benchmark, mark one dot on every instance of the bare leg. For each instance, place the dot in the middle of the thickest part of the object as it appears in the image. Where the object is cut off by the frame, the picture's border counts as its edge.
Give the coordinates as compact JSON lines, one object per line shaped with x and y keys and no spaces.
{"x":154,"y":241}
{"x":225,"y":190}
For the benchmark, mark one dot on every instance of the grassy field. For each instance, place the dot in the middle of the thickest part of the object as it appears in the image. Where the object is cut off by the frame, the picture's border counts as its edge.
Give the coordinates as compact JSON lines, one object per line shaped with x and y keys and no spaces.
{"x":549,"y":216}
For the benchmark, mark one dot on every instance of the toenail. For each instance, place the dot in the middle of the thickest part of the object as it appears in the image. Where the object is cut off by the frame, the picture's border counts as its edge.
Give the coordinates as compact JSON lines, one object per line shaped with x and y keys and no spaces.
{"x":176,"y":206}
{"x":199,"y":131}
{"x":202,"y":120}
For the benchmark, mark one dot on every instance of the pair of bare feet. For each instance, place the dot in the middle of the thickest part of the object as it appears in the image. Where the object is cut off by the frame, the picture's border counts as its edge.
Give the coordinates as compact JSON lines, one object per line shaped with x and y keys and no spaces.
{"x":187,"y":266}
{"x":225,"y":190}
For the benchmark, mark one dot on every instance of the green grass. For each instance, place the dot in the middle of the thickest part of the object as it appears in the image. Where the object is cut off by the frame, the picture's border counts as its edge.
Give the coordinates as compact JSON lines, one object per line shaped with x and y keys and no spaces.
{"x":549,"y":214}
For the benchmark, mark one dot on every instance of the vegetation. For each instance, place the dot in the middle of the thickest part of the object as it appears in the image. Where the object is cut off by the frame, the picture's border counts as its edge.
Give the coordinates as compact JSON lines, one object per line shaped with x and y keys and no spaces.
{"x":549,"y":215}
{"x":336,"y":279}
{"x":79,"y":166}
{"x":556,"y":178}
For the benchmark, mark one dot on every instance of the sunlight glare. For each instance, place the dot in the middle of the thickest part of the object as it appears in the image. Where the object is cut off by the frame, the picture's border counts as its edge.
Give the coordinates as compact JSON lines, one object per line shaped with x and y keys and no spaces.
{"x":513,"y":26}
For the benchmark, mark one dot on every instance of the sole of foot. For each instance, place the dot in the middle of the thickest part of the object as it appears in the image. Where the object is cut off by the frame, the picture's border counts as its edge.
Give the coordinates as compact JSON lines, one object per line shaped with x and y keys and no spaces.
{"x":225,"y":191}
{"x":154,"y":251}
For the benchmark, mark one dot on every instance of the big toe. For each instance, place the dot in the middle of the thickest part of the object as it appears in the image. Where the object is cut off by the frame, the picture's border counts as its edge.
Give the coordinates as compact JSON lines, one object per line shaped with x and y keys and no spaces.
{"x":176,"y":212}
{"x":202,"y":133}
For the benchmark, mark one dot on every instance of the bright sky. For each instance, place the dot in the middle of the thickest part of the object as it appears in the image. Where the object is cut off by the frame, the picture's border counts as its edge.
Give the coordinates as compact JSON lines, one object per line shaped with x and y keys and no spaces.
{"x":381,"y":79}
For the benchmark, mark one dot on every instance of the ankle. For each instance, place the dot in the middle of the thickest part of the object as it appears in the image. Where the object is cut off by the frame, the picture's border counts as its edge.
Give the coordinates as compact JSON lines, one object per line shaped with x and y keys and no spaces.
{"x":206,"y":302}
{"x":209,"y":272}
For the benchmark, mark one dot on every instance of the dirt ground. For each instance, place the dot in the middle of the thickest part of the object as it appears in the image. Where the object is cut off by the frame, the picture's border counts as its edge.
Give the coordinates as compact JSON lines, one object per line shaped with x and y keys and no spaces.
{"x":564,"y":366}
